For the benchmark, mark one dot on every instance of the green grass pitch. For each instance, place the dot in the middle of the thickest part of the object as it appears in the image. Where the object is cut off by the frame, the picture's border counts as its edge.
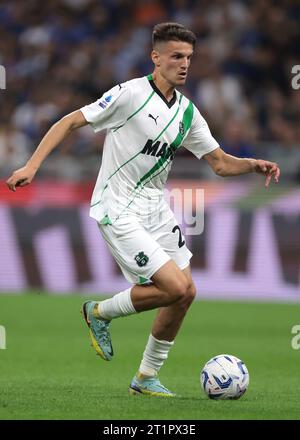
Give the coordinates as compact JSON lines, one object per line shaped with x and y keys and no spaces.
{"x":49,"y":371}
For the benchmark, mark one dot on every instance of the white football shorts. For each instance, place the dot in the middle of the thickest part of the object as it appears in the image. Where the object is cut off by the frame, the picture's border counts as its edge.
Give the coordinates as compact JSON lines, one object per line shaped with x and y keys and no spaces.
{"x":142,"y":247}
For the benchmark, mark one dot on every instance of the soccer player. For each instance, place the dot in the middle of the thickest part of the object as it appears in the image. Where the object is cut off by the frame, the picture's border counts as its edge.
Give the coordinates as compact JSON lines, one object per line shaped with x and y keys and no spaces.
{"x":147,"y":121}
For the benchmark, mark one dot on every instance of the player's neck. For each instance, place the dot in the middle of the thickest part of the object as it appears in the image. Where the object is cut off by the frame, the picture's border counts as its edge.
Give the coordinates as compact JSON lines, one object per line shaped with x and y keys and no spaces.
{"x":164,"y":86}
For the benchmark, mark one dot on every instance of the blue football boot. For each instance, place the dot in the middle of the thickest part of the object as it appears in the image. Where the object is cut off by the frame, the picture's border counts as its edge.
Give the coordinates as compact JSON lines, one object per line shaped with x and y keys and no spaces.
{"x":149,"y":386}
{"x":99,"y":330}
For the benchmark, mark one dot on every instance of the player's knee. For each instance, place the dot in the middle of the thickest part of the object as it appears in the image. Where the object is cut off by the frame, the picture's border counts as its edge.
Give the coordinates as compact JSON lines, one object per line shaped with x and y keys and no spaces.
{"x":188,"y":297}
{"x":191,"y":293}
{"x":180,"y":290}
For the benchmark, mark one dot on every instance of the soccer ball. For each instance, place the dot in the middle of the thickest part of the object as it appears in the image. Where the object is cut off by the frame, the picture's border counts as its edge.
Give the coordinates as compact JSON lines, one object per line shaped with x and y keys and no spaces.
{"x":224,"y":377}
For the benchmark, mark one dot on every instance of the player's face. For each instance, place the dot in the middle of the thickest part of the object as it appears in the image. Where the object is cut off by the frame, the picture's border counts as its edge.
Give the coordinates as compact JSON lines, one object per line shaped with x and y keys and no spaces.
{"x":172,"y":60}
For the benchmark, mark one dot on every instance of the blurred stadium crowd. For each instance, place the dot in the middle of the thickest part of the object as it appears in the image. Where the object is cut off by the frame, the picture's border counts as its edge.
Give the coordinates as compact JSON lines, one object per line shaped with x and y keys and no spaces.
{"x":62,"y":54}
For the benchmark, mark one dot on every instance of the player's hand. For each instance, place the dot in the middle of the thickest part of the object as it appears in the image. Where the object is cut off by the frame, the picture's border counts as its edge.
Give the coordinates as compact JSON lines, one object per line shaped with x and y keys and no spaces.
{"x":21,"y":177}
{"x":269,"y":169}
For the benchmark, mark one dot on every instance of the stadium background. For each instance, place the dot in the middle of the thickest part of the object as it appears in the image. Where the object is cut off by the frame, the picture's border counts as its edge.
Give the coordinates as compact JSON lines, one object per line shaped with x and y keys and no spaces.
{"x":65,"y":54}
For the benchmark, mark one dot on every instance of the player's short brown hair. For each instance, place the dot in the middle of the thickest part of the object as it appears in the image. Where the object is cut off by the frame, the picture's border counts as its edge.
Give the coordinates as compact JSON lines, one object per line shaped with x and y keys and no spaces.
{"x":163,"y":32}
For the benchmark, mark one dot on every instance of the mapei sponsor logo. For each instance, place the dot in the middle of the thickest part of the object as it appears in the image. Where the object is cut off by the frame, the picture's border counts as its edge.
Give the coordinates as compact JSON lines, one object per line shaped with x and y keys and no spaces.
{"x":155,"y":149}
{"x":105,"y":101}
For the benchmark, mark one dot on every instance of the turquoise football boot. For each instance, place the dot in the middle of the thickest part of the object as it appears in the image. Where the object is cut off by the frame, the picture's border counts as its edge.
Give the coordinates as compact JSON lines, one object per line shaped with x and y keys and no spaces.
{"x":149,"y":386}
{"x":99,"y":331}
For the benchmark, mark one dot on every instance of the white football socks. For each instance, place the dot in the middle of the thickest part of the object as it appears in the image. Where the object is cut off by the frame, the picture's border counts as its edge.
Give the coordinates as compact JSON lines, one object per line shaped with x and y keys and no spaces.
{"x":119,"y":305}
{"x":156,"y":352}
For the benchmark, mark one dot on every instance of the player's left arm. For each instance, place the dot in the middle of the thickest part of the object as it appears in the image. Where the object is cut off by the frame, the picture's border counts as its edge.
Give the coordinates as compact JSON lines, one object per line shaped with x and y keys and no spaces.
{"x":224,"y":165}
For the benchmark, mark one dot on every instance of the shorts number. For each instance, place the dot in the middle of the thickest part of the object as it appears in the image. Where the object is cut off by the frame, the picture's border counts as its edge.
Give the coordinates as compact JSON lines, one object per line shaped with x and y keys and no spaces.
{"x":180,"y":241}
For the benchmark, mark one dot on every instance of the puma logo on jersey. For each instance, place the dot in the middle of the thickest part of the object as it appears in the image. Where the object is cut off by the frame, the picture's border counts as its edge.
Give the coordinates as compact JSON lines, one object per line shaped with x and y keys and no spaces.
{"x":152,"y":117}
{"x":156,"y":149}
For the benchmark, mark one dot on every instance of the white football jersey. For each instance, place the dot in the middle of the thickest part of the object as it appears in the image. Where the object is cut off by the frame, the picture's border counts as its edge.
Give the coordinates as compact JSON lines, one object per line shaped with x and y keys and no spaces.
{"x":144,"y":131}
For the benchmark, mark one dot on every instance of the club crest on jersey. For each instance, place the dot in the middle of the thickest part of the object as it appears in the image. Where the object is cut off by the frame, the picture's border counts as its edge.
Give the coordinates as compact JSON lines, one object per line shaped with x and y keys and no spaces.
{"x":181,"y":128}
{"x":141,"y":259}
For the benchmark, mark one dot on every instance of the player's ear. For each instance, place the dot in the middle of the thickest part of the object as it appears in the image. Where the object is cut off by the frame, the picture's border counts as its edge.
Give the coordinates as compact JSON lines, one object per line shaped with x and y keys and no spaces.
{"x":155,"y":57}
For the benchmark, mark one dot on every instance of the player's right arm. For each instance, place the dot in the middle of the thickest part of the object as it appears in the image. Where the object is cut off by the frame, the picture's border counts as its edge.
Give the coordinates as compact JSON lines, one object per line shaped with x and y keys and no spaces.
{"x":111,"y":110}
{"x":24,"y":176}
